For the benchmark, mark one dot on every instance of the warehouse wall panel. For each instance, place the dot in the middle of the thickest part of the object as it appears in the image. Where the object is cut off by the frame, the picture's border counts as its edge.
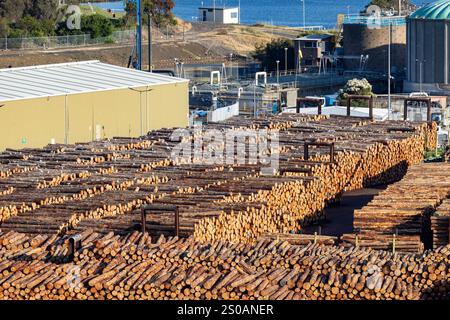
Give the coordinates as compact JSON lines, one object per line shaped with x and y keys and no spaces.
{"x":90,"y":116}
{"x":31,"y":123}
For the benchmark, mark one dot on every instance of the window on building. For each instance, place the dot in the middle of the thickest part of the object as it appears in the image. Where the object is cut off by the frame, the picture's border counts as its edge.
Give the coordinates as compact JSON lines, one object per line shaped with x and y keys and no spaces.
{"x":234,"y":15}
{"x":310,"y":44}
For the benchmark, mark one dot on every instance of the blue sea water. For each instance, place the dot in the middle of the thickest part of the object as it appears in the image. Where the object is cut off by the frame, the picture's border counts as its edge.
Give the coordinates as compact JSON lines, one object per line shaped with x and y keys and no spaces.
{"x":276,"y":12}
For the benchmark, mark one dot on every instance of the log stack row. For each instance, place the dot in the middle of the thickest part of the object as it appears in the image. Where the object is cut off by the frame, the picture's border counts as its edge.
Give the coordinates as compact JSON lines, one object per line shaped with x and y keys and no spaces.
{"x":399,"y":217}
{"x":440,"y":226}
{"x":133,"y":267}
{"x":103,"y":184}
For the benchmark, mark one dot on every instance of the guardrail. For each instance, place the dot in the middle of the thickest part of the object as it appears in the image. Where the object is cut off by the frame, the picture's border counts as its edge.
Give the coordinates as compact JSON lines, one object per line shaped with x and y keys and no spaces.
{"x":312,"y":28}
{"x":374,"y":21}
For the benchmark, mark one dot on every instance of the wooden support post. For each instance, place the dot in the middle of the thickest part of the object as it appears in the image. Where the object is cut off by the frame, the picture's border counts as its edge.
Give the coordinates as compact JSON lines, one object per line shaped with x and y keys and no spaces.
{"x":74,"y":245}
{"x":427,"y":100}
{"x":306,"y":152}
{"x":319,"y":144}
{"x":349,"y":103}
{"x":429,"y":110}
{"x":405,"y":110}
{"x":161,"y":208}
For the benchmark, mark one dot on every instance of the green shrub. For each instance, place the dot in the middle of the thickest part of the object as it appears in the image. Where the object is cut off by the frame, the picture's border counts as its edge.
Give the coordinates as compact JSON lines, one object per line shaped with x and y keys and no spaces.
{"x":109,"y":40}
{"x":96,"y":25}
{"x":360,"y":87}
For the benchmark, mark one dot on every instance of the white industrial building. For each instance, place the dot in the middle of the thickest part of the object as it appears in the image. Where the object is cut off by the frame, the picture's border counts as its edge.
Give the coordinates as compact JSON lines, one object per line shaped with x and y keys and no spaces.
{"x":220,"y":15}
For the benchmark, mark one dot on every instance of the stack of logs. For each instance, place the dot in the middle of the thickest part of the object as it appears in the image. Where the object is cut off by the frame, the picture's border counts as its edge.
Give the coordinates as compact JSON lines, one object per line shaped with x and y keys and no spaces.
{"x":132,"y":267}
{"x":103,"y":184}
{"x":440,"y":226}
{"x":399,"y":217}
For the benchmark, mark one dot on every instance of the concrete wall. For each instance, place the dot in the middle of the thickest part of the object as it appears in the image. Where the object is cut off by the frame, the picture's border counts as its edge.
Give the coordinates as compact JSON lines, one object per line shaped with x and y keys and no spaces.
{"x":91,"y":116}
{"x":360,"y":39}
{"x":224,"y":113}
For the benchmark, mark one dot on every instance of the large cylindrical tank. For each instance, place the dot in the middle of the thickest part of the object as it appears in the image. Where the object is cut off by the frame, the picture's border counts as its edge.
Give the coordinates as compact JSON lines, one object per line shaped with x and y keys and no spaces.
{"x":428,"y":37}
{"x":367,"y":37}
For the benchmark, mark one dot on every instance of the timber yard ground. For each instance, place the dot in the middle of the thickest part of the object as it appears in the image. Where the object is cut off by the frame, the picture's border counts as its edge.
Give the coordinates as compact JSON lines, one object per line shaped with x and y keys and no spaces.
{"x":202,"y":44}
{"x":339,"y":216}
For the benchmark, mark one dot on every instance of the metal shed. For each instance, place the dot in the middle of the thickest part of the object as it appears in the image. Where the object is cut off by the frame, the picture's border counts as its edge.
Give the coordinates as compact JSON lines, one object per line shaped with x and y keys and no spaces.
{"x":85,"y":101}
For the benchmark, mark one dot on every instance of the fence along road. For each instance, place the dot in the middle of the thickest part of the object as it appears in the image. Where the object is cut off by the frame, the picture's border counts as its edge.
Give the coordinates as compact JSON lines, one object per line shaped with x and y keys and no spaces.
{"x":83,"y":40}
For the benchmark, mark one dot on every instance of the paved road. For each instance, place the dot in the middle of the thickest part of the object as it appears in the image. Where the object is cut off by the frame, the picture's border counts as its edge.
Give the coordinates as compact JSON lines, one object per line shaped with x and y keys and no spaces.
{"x":339,"y":217}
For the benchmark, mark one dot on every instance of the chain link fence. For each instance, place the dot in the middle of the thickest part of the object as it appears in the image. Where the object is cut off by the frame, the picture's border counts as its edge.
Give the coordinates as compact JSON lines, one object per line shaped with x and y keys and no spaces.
{"x":117,"y":37}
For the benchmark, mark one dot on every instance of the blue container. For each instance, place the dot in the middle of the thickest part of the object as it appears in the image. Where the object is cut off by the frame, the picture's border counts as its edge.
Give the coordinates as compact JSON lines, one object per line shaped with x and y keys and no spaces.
{"x":330,"y":100}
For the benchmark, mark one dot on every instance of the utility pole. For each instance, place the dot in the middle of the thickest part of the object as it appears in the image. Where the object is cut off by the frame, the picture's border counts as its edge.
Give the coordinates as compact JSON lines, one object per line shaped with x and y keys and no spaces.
{"x":150,"y":41}
{"x":286,"y":60}
{"x":239,"y":12}
{"x":421,"y":75}
{"x":138,"y":35}
{"x":278,"y":71}
{"x":214,"y":9}
{"x":399,"y":8}
{"x":389,"y":72}
{"x":420,"y":62}
{"x":304,"y":14}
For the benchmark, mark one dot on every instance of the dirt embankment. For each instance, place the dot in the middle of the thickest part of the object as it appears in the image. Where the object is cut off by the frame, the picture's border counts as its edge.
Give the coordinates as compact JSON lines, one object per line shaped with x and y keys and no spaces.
{"x":199,"y":43}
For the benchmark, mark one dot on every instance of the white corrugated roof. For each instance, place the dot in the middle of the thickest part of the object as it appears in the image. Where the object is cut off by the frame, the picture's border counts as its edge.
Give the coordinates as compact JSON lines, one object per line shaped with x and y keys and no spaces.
{"x":73,"y":78}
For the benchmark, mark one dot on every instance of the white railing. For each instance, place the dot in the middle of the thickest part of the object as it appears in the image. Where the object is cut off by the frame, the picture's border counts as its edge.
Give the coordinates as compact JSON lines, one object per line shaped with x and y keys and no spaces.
{"x":312,"y":28}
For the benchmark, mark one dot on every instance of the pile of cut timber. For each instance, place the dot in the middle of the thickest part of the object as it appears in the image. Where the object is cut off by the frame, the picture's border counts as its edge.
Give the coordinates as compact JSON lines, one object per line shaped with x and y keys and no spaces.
{"x":132,"y":267}
{"x":440,"y":226}
{"x":399,"y":217}
{"x":103,"y":184}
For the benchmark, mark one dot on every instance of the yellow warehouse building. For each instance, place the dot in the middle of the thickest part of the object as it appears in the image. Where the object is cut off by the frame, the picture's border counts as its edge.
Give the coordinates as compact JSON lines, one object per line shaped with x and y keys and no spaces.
{"x":85,"y":101}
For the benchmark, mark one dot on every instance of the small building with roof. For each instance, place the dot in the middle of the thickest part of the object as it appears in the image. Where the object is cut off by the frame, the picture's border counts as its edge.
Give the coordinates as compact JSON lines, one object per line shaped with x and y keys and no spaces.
{"x":311,"y":48}
{"x":86,"y":101}
{"x":219,"y":15}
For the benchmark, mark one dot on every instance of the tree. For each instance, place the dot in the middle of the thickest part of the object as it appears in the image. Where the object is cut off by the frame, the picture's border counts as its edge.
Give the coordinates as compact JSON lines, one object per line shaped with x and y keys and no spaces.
{"x":391,"y":4}
{"x":43,"y":9}
{"x":97,"y":25}
{"x":161,"y":11}
{"x":13,"y":10}
{"x":4,"y":28}
{"x":33,"y":27}
{"x":269,"y":53}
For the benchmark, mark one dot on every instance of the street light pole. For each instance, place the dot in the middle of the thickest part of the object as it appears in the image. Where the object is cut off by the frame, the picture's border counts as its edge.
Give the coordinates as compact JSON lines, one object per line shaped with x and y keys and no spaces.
{"x":420,"y":73}
{"x":304,"y":14}
{"x":150,"y":41}
{"x":278,"y":71}
{"x":286,"y":60}
{"x":389,"y":73}
{"x":138,"y":35}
